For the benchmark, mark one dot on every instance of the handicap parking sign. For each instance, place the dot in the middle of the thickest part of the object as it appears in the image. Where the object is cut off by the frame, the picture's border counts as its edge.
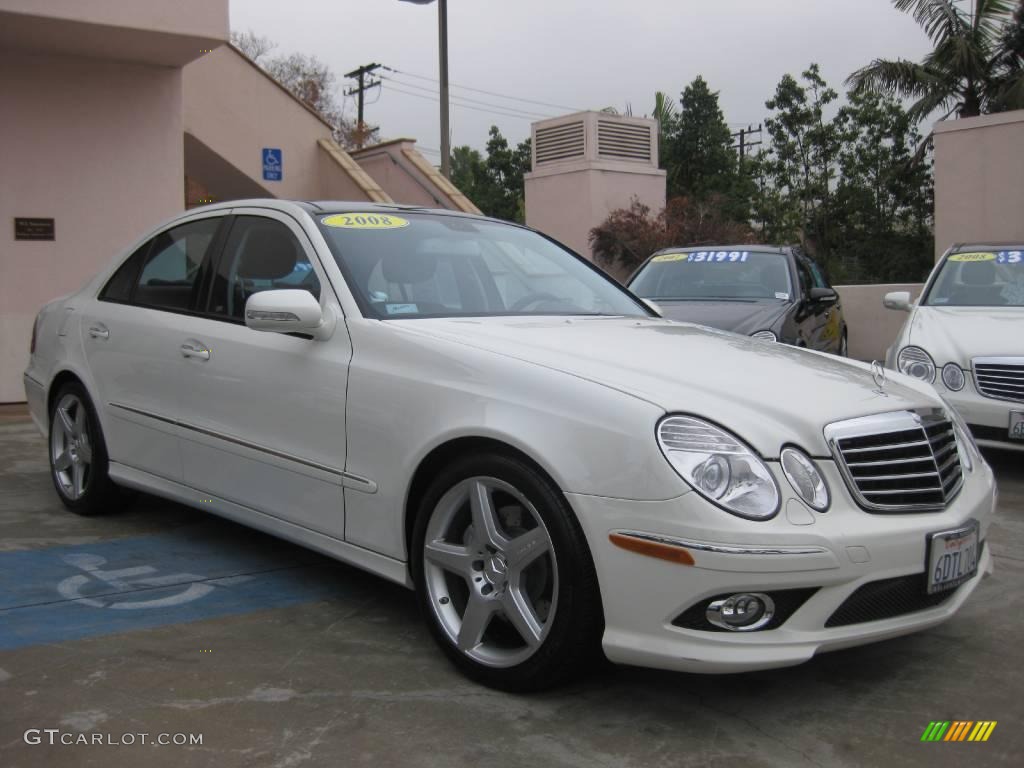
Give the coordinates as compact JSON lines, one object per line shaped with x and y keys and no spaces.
{"x":271,"y":164}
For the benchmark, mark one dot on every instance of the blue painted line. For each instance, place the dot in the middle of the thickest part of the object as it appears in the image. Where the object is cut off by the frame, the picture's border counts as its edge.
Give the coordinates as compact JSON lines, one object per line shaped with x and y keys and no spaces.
{"x":58,"y":594}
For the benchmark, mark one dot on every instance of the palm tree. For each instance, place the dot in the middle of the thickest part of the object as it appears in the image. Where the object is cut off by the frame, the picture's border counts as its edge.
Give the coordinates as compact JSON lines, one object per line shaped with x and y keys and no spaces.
{"x":972,"y":69}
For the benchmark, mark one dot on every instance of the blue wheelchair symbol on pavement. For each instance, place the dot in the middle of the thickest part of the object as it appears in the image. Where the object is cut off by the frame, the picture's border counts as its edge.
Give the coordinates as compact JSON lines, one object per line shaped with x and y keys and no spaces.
{"x":272,"y":164}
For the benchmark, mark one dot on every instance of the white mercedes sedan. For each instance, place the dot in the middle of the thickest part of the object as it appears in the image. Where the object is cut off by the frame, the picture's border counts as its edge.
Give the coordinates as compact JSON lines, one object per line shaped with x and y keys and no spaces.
{"x":964,"y":336}
{"x":465,"y":407}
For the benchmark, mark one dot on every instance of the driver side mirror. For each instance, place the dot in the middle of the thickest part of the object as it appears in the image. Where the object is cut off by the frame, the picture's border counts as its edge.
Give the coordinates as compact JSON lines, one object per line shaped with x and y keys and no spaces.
{"x":288,"y":311}
{"x":898,"y":300}
{"x":823,"y":295}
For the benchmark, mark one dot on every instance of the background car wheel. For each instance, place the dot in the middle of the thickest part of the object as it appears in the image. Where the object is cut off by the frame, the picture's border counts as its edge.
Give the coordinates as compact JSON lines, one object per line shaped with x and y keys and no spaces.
{"x":78,"y":455}
{"x":844,"y":345}
{"x":504,"y":575}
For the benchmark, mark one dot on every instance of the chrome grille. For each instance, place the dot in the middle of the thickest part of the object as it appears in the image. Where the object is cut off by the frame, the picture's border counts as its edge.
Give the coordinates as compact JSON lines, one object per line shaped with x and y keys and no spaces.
{"x":1000,"y":377}
{"x":905,"y":461}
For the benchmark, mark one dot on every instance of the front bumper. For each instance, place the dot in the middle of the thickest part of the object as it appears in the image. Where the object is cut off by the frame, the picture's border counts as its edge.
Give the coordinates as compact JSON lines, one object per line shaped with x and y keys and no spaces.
{"x":988,"y":418}
{"x":836,"y":553}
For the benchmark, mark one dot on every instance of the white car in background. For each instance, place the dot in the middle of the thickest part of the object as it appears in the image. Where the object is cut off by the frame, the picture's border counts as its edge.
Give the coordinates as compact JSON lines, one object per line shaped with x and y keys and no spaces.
{"x":465,"y":407}
{"x":965,"y":335}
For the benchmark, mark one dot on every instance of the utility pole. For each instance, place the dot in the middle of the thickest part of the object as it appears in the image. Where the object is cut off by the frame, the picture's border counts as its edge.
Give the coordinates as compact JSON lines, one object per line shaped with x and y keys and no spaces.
{"x":744,"y":142}
{"x":358,"y":91}
{"x":442,"y":26}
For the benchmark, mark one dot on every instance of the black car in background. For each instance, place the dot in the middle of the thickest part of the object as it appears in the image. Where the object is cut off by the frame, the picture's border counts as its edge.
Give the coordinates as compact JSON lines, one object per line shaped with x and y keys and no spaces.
{"x":771,"y":293}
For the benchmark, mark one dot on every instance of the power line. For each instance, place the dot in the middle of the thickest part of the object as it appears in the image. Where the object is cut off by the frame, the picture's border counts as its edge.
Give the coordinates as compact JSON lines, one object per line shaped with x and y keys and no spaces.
{"x":466,"y":99}
{"x":393,"y":89}
{"x":488,"y":93}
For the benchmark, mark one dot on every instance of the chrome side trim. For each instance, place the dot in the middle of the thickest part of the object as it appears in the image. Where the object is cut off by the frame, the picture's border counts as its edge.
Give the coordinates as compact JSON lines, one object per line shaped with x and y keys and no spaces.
{"x":727,"y":549}
{"x":147,"y":414}
{"x":349,"y":480}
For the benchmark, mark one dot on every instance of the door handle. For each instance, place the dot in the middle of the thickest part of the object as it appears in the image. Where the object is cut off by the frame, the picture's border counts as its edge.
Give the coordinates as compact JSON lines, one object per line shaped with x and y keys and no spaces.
{"x":195,"y":349}
{"x":99,"y":332}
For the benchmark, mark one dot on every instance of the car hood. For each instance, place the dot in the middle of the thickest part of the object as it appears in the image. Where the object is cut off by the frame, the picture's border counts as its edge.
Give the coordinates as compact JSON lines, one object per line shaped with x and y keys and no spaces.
{"x":769,"y":394}
{"x":740,"y":316}
{"x":958,"y":334}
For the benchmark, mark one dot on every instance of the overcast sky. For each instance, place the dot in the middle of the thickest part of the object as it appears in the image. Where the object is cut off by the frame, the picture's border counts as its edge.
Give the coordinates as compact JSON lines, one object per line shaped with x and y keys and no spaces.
{"x":579,"y":54}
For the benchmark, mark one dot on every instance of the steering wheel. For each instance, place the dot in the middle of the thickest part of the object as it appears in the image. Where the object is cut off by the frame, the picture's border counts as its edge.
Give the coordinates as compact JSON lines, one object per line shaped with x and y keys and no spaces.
{"x":533,"y":298}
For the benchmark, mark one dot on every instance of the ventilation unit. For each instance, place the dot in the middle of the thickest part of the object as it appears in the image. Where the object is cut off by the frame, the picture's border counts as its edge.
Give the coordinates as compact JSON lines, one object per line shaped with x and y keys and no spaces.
{"x":623,"y":141}
{"x":559,"y":142}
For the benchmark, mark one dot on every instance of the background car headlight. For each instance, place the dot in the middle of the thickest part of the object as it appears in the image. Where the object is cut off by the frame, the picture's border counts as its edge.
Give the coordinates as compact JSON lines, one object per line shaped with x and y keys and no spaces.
{"x":915,"y":362}
{"x":953,"y":377}
{"x":764,"y":336}
{"x":805,"y":478}
{"x":719,"y":466}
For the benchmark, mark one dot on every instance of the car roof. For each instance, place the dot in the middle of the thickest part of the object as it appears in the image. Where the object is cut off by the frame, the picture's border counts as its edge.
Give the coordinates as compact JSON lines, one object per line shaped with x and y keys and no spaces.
{"x":962,"y":247}
{"x":313,"y":207}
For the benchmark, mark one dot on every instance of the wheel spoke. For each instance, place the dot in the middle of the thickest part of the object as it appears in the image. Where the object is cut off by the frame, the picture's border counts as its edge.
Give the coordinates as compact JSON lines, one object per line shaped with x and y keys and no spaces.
{"x":450,"y":557}
{"x":66,"y":424}
{"x":518,"y":611}
{"x":84,"y":453}
{"x":77,"y":479}
{"x":63,"y":462}
{"x":485,"y":524}
{"x":524,"y":549}
{"x":479,"y":611}
{"x":79,"y":426}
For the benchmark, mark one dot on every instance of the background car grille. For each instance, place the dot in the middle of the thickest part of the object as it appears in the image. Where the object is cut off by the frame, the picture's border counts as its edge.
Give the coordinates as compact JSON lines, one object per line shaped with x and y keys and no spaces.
{"x":900,"y":462}
{"x":1000,"y":377}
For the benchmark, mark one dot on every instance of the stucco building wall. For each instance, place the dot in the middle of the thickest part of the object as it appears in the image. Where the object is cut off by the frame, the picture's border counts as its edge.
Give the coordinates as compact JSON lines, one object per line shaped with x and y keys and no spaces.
{"x":96,"y":145}
{"x":979,"y":180}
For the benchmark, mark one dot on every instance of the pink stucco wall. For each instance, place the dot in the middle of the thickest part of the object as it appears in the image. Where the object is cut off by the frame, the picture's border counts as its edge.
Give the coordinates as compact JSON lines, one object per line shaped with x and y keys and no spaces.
{"x":396,"y":175}
{"x":96,"y":145}
{"x":979,"y":180}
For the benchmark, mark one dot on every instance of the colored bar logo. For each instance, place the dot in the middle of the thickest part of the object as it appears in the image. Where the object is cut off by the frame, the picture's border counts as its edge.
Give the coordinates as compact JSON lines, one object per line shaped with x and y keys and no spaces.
{"x":958,"y":730}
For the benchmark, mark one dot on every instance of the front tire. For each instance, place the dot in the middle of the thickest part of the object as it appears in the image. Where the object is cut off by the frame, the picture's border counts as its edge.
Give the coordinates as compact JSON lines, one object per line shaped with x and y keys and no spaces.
{"x":78,"y":453}
{"x":504,"y":575}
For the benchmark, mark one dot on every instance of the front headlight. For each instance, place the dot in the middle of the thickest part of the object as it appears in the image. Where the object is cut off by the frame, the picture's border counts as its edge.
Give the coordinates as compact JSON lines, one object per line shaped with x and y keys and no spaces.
{"x":805,"y":478}
{"x":953,"y":377}
{"x":915,"y":362}
{"x":719,"y":466}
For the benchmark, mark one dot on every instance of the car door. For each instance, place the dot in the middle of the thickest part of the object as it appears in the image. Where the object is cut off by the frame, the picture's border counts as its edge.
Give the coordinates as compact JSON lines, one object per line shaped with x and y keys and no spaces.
{"x":810,"y":314}
{"x":263,"y":418}
{"x":131,"y":337}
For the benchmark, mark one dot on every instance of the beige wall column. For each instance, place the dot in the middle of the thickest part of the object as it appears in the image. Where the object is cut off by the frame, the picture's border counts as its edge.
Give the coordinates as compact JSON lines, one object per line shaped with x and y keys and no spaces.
{"x":979,"y":180}
{"x":586,"y":165}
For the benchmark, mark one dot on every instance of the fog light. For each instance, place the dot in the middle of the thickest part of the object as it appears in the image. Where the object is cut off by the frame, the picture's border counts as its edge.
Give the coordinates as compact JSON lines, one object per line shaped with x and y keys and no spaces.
{"x":744,"y":612}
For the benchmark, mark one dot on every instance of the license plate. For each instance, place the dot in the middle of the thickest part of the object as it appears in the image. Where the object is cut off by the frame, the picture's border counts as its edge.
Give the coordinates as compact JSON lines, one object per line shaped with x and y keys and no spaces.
{"x":952,"y":558}
{"x":1017,"y":425}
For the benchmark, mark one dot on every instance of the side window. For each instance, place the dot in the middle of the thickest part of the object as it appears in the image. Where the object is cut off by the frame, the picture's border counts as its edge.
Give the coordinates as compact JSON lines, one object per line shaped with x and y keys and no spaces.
{"x":119,"y":286}
{"x":171,"y":269}
{"x":260,"y":255}
{"x":817,"y":275}
{"x":806,"y":282}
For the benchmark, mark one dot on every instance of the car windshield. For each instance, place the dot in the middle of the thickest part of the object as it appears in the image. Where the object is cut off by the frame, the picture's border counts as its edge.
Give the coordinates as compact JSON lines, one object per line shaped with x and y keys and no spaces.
{"x":980,"y":279}
{"x":435,"y":265}
{"x":687,"y":274}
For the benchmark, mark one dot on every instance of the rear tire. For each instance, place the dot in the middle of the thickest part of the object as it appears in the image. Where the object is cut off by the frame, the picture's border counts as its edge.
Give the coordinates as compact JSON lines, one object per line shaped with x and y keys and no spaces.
{"x":504,"y":575}
{"x":78,"y":454}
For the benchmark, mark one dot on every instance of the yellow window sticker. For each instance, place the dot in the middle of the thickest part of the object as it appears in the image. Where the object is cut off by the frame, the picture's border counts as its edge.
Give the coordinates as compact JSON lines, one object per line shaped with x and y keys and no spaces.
{"x":972,"y":257}
{"x":364,"y":221}
{"x":669,"y":257}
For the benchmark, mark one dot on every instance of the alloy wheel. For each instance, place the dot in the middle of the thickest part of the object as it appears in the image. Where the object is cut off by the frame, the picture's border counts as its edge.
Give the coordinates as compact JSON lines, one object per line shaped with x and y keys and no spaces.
{"x":490,"y":571}
{"x":71,"y":446}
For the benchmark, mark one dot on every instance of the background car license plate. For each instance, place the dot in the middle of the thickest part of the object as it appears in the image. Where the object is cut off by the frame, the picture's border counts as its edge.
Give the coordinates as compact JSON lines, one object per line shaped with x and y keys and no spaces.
{"x":952,"y":558}
{"x":1017,"y":425}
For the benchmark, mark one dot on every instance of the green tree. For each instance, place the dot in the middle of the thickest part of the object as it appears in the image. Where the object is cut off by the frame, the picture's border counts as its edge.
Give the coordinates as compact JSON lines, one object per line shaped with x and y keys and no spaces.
{"x":882,"y":207}
{"x":495,"y":182}
{"x":972,"y":68}
{"x":698,"y":158}
{"x":796,"y":174}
